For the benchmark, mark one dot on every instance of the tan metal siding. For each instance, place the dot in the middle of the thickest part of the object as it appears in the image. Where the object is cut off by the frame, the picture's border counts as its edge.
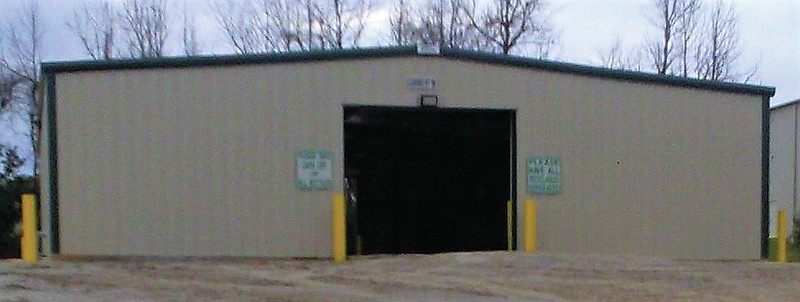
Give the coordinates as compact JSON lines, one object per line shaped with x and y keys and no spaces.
{"x":201,"y":161}
{"x":783,"y":164}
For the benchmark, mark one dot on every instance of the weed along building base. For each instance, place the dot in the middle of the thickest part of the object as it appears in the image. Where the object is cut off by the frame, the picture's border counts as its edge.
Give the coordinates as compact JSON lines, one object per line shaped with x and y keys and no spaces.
{"x":242,"y":156}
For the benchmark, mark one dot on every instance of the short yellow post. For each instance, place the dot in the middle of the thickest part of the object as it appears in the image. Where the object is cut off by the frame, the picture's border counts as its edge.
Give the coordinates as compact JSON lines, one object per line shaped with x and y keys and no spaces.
{"x":781,"y":252}
{"x":29,"y":244}
{"x":339,"y":230}
{"x":530,"y":225}
{"x":509,"y":222}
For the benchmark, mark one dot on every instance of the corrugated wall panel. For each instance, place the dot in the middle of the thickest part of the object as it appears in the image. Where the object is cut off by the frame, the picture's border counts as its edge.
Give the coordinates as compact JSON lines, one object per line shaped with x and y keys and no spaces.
{"x":783,"y":148}
{"x":201,"y":161}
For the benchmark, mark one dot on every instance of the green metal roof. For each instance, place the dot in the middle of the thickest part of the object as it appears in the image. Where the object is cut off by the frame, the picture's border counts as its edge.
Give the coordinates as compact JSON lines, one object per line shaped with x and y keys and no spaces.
{"x":403,"y":51}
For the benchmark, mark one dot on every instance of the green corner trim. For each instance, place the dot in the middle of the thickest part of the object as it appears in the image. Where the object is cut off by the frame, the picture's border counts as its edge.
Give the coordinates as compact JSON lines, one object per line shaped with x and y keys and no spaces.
{"x":52,"y":138}
{"x":401,"y":51}
{"x":765,"y":177}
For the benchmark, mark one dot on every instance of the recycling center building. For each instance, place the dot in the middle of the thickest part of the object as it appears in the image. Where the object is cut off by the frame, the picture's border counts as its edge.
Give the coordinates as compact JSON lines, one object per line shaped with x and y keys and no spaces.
{"x":435,"y":150}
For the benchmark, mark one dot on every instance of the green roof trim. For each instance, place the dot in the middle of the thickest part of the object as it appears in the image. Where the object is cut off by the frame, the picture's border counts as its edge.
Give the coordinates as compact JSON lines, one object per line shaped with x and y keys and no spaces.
{"x":403,"y":51}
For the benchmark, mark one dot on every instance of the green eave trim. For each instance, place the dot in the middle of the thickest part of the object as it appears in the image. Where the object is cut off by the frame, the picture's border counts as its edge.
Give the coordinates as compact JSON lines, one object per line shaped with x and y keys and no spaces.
{"x":401,"y":51}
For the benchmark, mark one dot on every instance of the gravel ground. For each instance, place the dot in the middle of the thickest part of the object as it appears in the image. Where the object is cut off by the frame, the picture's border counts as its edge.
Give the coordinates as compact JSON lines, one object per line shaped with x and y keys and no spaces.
{"x":492,"y":276}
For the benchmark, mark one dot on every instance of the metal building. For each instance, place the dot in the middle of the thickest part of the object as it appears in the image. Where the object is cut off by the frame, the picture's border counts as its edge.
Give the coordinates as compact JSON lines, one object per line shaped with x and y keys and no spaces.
{"x":783,"y":187}
{"x":241,"y":156}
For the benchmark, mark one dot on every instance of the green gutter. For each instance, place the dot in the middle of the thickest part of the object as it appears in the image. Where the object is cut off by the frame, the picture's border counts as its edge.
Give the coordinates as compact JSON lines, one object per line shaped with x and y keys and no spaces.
{"x":765,"y":177}
{"x":52,"y":138}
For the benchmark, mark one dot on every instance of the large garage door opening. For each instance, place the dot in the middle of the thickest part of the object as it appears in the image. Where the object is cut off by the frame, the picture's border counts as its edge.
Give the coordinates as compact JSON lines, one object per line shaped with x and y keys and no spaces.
{"x":428,"y":180}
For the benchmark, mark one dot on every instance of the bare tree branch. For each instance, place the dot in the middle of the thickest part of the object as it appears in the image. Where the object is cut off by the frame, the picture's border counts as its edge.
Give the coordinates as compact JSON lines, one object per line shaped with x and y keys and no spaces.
{"x":401,"y":25}
{"x":235,"y":19}
{"x":617,"y":57}
{"x":146,"y":24}
{"x":19,"y":67}
{"x":96,"y":27}
{"x":446,"y":23}
{"x":342,"y":22}
{"x":507,"y":23}
{"x":191,"y":46}
{"x":258,"y":26}
{"x":686,"y":30}
{"x":662,"y":52}
{"x":718,"y":52}
{"x":613,"y":58}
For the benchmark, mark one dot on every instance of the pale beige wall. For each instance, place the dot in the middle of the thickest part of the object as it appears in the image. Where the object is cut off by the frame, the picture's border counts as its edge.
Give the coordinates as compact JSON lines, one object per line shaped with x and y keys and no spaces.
{"x":782,"y":166}
{"x":200,"y":161}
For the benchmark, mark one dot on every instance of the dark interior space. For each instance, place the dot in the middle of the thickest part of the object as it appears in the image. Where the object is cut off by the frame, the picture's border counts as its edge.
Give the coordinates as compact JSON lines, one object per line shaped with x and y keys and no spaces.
{"x":427,"y":180}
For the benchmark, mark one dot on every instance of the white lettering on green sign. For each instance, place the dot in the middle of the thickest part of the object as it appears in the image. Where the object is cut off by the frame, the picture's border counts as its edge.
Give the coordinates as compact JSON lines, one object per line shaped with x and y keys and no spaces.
{"x":544,"y":175}
{"x":314,"y":170}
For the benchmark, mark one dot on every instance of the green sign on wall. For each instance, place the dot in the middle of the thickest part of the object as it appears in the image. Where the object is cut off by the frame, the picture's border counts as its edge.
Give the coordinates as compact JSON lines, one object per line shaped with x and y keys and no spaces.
{"x":544,"y":175}
{"x":314,"y":170}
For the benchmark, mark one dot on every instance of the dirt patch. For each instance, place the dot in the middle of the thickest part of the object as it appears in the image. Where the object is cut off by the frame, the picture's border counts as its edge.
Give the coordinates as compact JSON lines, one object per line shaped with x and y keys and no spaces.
{"x":494,"y":276}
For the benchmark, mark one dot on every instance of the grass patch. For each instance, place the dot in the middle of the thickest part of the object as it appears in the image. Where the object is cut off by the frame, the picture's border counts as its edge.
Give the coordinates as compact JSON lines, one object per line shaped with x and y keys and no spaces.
{"x":792,"y":250}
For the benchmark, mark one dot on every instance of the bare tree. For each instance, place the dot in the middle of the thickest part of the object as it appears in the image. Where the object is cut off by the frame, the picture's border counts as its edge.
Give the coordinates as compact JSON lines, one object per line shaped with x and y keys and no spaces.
{"x":614,"y":57}
{"x":145,"y":23}
{"x":236,"y":20}
{"x":662,"y":52}
{"x":695,"y":42}
{"x":96,"y":27}
{"x":19,"y":67}
{"x":719,"y":51}
{"x":617,"y":57}
{"x":446,"y":22}
{"x":686,"y":30}
{"x":191,"y":46}
{"x":508,"y":23}
{"x":10,"y":83}
{"x":257,"y":26}
{"x":401,"y":26}
{"x":342,"y":22}
{"x":285,"y":21}
{"x":312,"y":29}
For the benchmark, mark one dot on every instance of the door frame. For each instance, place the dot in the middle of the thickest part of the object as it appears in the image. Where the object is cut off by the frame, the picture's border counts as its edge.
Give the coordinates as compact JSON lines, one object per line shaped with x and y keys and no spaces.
{"x":513,"y":178}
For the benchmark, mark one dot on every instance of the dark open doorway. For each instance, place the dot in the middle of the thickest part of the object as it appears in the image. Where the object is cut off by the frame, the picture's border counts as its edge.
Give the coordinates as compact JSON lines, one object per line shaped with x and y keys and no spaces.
{"x":428,"y":180}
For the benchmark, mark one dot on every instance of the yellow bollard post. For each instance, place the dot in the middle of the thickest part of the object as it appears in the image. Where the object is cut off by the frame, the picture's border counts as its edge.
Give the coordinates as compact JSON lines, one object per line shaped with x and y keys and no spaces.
{"x":509,"y":221}
{"x":29,"y":244}
{"x":530,"y":225}
{"x":781,"y":252}
{"x":339,"y":229}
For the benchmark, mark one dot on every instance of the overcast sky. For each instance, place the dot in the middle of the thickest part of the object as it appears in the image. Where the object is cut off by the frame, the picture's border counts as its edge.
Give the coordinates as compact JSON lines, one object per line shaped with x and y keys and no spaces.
{"x":769,"y":31}
{"x":769,"y":34}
